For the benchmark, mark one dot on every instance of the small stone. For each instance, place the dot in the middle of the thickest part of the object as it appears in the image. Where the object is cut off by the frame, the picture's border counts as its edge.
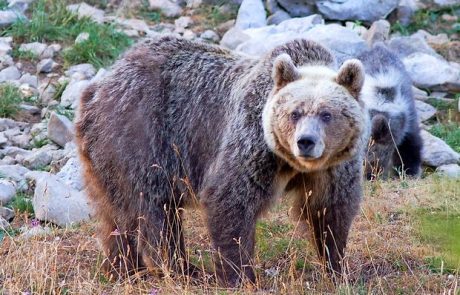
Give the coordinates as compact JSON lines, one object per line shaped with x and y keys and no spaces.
{"x":46,"y":93}
{"x":135,"y":24}
{"x":7,"y":17}
{"x":72,"y":93}
{"x":424,"y":111}
{"x":168,"y":8}
{"x":101,"y":74}
{"x":210,"y":35}
{"x":37,"y":159}
{"x":6,"y":213}
{"x":29,"y":79}
{"x":298,"y":8}
{"x":278,"y":17}
{"x":450,"y":170}
{"x":60,"y":129}
{"x":419,"y":94}
{"x":3,"y":223}
{"x":35,"y":232}
{"x":28,"y":113}
{"x":87,"y":70}
{"x":82,"y":37}
{"x":84,"y":10}
{"x":182,"y":23}
{"x":378,"y":32}
{"x":189,"y":35}
{"x":46,"y":65}
{"x":5,"y":48}
{"x":36,"y":48}
{"x":7,"y":191}
{"x":9,"y":74}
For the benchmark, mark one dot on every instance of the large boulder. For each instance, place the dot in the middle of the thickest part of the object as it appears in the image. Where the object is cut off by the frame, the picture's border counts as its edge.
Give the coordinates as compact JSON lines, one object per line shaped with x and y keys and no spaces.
{"x":298,"y":8}
{"x":56,"y":202}
{"x":436,"y":152}
{"x":427,"y":70}
{"x":251,"y":14}
{"x":364,"y":10}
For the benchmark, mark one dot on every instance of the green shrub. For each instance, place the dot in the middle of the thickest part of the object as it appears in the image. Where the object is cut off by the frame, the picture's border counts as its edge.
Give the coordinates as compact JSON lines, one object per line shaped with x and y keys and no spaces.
{"x":10,"y":98}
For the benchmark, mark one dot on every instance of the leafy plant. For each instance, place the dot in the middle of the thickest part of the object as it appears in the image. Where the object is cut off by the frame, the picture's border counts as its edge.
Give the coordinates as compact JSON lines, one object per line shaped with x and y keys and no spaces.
{"x":10,"y":98}
{"x":22,"y":203}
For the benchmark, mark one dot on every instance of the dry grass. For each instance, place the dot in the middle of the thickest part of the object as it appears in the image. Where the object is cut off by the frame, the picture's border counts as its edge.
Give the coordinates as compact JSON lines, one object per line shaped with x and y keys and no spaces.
{"x":384,"y":256}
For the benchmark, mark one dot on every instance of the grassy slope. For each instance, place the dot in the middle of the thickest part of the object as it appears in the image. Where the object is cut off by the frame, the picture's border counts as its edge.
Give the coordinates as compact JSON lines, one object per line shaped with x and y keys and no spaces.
{"x":386,"y":253}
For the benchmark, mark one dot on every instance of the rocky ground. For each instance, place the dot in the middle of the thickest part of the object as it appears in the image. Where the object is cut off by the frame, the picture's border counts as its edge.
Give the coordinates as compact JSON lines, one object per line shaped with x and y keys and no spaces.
{"x":51,"y":50}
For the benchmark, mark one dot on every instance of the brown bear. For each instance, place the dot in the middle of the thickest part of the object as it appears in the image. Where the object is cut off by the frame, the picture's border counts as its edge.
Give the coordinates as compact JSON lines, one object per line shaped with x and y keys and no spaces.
{"x":178,"y":121}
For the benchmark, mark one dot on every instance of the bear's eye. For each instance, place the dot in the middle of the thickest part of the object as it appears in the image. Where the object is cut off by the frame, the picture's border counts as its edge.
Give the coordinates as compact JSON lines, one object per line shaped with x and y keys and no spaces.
{"x":325,"y":116}
{"x":295,"y":116}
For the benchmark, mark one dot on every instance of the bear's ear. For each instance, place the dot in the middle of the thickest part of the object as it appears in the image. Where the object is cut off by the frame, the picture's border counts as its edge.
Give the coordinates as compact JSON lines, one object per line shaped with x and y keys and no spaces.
{"x":284,"y":71}
{"x":351,"y":76}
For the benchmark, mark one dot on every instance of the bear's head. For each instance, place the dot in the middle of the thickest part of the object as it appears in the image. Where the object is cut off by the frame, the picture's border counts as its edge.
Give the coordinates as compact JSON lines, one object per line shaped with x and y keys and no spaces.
{"x":313,"y":118}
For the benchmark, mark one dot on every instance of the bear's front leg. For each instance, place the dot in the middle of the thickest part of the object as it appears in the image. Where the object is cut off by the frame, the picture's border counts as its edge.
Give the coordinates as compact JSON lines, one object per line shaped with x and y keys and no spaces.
{"x":328,"y":201}
{"x":232,"y":204}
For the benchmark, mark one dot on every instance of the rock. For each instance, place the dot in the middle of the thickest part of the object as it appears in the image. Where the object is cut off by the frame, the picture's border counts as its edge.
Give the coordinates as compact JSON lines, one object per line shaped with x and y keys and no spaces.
{"x":233,"y":37}
{"x":9,"y":74}
{"x":251,"y":14}
{"x":278,"y":17}
{"x":364,"y":10}
{"x":298,"y":8}
{"x":135,"y":24}
{"x":378,"y":32}
{"x":447,"y":3}
{"x":3,"y":140}
{"x":46,"y":93}
{"x":5,"y":61}
{"x":436,"y":152}
{"x":82,"y":37}
{"x":50,"y":51}
{"x":18,"y":138}
{"x":427,"y":71}
{"x":28,"y":113}
{"x":60,"y":129}
{"x":189,"y":35}
{"x":46,"y":65}
{"x":405,"y":10}
{"x":72,"y":93}
{"x":405,"y":46}
{"x":7,"y":17}
{"x":210,"y":35}
{"x":36,"y":48}
{"x":16,"y":173}
{"x":6,"y":124}
{"x":29,"y":79}
{"x":449,"y":50}
{"x":84,"y":10}
{"x":6,"y":213}
{"x":3,"y":223}
{"x":101,"y":74}
{"x":450,"y":170}
{"x":263,"y":39}
{"x":56,"y":202}
{"x":169,"y":8}
{"x":424,"y":111}
{"x":13,"y":151}
{"x":225,"y":26}
{"x":419,"y":94}
{"x":7,"y":191}
{"x":5,"y":48}
{"x":86,"y":70}
{"x":357,"y":28}
{"x":35,"y":232}
{"x":37,"y":159}
{"x":70,"y":174}
{"x":182,"y":23}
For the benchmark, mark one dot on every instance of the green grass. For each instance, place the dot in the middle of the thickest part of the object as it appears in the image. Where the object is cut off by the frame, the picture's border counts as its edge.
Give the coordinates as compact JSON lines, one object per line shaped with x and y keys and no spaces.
{"x":214,"y":15}
{"x":3,"y":4}
{"x":22,"y":203}
{"x":441,"y":104}
{"x":442,"y":229}
{"x":39,"y":143}
{"x":51,"y":22}
{"x":449,"y":132}
{"x":24,"y":54}
{"x":429,"y":19}
{"x":10,"y":98}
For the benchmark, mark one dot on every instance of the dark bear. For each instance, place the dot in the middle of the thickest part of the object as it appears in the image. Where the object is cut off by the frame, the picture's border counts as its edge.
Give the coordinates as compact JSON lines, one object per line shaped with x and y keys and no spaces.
{"x":178,"y":121}
{"x":395,"y":137}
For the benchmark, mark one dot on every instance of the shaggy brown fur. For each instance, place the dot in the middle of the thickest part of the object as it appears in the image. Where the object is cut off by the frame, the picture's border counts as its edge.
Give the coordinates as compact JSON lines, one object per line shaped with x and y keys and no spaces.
{"x":178,"y":119}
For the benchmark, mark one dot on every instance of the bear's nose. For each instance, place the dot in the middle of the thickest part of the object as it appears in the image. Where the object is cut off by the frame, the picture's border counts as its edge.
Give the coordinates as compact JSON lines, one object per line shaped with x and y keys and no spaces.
{"x":306,"y":145}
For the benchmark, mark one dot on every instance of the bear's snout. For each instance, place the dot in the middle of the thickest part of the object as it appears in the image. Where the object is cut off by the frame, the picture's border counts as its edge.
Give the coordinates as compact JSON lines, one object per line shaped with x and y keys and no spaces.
{"x":380,"y":129}
{"x":306,"y":145}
